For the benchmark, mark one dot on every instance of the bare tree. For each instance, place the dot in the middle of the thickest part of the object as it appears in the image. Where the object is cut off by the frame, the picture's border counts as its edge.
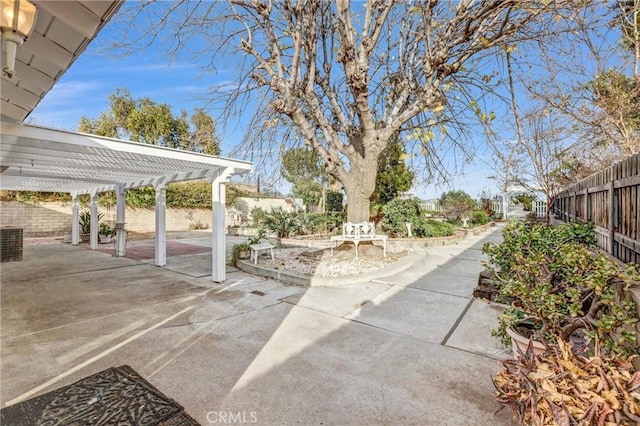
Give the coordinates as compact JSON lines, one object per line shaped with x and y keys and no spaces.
{"x":344,"y":77}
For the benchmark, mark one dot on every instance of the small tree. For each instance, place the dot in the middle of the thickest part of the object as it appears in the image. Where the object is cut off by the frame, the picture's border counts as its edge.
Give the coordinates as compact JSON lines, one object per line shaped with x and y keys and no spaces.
{"x":394,"y":177}
{"x":457,"y":204}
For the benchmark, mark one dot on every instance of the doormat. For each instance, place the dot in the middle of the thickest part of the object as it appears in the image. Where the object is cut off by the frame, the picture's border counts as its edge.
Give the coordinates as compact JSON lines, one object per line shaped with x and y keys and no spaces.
{"x":116,"y":396}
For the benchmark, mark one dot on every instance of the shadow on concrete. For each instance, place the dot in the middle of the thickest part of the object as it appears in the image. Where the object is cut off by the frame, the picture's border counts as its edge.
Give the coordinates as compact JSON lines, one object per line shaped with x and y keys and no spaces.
{"x":393,"y":351}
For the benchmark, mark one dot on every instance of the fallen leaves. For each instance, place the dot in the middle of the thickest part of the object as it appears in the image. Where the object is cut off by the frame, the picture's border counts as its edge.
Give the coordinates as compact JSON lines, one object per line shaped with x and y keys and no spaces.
{"x":560,"y":387}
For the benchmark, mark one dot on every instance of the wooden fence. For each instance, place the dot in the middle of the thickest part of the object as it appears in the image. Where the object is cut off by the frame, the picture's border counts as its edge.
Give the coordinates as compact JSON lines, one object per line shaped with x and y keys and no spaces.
{"x":611,"y":200}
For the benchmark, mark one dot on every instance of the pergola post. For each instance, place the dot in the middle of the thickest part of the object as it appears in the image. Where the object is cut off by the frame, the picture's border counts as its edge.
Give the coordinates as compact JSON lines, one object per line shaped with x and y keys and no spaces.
{"x":218,"y":225}
{"x":75,"y":218}
{"x":121,"y":236}
{"x":93,"y":241}
{"x":161,"y":224}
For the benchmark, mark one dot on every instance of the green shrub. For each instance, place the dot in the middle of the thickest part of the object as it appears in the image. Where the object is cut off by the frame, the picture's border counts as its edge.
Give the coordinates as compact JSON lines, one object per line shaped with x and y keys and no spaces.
{"x":258,"y":216}
{"x":457,"y":204}
{"x":434,"y":228}
{"x":283,"y":223}
{"x":562,"y":287}
{"x":320,"y":223}
{"x":479,"y":217}
{"x":399,"y":211}
{"x":334,"y":201}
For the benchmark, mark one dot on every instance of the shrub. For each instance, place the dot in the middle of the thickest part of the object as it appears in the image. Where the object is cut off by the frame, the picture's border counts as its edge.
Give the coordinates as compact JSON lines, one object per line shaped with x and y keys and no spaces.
{"x":457,"y":204}
{"x":479,"y":217}
{"x":434,"y":228}
{"x":334,"y":201}
{"x":399,"y":211}
{"x":314,"y":223}
{"x":258,"y":216}
{"x":563,"y":288}
{"x":283,"y":223}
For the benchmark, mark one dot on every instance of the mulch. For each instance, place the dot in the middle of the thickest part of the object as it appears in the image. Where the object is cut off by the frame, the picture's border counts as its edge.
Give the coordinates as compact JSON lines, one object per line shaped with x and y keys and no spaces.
{"x":116,"y":396}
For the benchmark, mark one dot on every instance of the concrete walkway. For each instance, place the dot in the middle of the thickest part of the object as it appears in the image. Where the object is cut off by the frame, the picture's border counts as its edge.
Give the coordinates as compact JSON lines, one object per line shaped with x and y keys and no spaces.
{"x":413,"y":348}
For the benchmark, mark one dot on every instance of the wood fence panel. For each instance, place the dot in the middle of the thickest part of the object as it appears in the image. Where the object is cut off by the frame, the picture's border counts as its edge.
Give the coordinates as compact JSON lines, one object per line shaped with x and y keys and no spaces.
{"x":610,"y":199}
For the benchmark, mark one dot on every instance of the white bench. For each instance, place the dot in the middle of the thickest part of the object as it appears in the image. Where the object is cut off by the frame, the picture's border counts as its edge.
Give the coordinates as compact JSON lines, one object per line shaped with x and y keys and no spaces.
{"x":255,"y":251}
{"x":357,"y":232}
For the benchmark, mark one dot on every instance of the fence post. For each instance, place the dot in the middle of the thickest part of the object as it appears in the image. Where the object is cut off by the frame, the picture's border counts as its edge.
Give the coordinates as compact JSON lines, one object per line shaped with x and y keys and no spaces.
{"x":587,"y":216}
{"x":610,"y":224}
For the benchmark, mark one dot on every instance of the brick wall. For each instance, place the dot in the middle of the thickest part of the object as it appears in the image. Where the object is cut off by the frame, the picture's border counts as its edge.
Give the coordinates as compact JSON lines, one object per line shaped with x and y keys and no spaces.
{"x":54,"y":219}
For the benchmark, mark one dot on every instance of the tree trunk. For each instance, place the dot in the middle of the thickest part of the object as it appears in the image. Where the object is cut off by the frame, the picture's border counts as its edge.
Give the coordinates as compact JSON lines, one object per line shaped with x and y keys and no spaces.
{"x":358,"y":205}
{"x":359,"y":187}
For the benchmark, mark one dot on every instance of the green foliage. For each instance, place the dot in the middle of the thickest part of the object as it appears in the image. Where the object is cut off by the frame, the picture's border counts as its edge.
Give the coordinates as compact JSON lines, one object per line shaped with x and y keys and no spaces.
{"x":105,"y":229}
{"x":84,"y":220}
{"x":203,"y":137}
{"x":526,"y":200}
{"x":261,"y":234}
{"x":393,"y":177}
{"x":283,"y":223}
{"x":557,"y":282}
{"x":457,"y":204}
{"x":32,"y":196}
{"x":433,"y":228}
{"x":334,"y":201}
{"x":192,"y":194}
{"x":321,"y":223}
{"x":400,"y":211}
{"x":479,"y":217}
{"x":236,"y":250}
{"x":258,"y":216}
{"x":147,"y":121}
{"x":302,"y":167}
{"x":308,"y":190}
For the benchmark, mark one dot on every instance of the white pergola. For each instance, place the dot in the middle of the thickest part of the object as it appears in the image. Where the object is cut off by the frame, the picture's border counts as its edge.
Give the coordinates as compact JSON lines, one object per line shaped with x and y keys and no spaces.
{"x":39,"y":159}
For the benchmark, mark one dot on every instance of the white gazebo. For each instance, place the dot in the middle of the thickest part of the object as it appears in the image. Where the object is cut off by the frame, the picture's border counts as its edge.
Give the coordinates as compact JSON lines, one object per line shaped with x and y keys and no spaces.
{"x":35,"y":158}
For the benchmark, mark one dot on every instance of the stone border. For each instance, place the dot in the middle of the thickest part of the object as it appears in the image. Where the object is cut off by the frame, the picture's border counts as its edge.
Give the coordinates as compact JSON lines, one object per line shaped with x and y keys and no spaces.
{"x":417,"y":248}
{"x":310,"y":281}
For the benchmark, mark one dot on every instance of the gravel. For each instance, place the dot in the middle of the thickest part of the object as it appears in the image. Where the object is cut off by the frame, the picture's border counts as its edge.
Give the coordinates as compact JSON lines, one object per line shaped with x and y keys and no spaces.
{"x":320,"y":262}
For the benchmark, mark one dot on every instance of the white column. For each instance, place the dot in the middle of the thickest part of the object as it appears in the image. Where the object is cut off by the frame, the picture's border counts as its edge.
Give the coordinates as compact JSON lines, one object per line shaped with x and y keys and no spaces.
{"x":505,"y":206}
{"x":218,"y":239}
{"x":93,"y":242}
{"x":75,"y":217}
{"x":120,"y":250}
{"x":161,"y":226}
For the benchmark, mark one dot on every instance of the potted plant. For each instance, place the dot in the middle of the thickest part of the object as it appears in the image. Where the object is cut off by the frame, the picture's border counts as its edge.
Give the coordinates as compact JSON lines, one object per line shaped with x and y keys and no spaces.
{"x":85,"y":224}
{"x":559,"y":287}
{"x":562,"y":387}
{"x":240,"y":251}
{"x":105,"y":233}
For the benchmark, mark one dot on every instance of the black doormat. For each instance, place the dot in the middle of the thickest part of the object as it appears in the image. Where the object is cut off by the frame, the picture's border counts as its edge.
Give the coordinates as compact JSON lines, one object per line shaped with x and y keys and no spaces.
{"x":116,"y":396}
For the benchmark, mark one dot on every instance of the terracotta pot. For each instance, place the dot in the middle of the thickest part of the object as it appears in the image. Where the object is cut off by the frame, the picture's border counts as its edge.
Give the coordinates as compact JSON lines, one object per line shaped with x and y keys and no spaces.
{"x":519,"y":341}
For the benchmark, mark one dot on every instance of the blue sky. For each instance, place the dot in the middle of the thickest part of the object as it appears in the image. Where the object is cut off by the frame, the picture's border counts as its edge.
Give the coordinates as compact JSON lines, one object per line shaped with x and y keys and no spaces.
{"x":85,"y":87}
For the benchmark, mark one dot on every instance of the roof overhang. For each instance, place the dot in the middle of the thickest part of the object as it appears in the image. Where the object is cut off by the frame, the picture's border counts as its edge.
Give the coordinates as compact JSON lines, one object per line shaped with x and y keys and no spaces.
{"x":40,"y":159}
{"x":62,"y":31}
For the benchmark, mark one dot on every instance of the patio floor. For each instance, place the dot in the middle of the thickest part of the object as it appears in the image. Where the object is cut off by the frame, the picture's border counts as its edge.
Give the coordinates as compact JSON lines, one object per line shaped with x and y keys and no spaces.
{"x":414,"y":348}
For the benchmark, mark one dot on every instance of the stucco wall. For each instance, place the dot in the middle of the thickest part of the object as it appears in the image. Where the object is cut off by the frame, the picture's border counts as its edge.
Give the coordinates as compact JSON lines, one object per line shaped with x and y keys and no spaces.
{"x":54,"y":219}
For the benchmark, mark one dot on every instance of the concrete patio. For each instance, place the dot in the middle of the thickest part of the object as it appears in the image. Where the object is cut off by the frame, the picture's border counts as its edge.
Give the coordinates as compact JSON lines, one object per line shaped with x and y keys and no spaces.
{"x":414,"y":348}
